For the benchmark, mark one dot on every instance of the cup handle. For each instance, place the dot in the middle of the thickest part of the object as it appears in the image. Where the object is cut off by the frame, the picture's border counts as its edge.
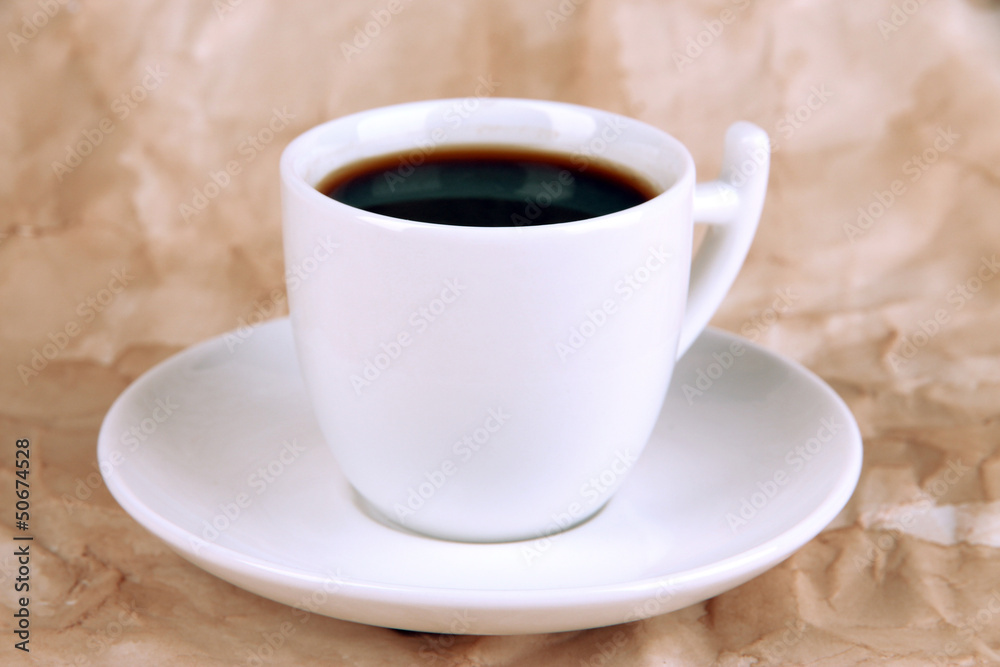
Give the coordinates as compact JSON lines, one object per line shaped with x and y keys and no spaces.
{"x":731,"y":205}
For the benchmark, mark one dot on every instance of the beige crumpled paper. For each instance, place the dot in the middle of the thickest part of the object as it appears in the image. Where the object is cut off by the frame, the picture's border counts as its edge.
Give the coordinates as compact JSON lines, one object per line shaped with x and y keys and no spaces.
{"x":126,"y":236}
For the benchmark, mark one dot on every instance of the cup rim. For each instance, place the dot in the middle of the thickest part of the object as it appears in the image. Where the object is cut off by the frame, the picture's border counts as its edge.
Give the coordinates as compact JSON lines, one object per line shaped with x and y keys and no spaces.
{"x":293,"y":179}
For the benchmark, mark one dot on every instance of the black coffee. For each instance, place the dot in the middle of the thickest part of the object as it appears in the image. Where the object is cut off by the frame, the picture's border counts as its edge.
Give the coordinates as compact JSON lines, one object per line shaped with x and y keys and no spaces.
{"x":486,"y":186}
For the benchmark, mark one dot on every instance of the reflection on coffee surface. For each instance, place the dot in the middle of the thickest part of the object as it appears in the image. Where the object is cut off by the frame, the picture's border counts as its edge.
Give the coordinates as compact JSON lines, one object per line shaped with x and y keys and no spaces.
{"x":486,"y":186}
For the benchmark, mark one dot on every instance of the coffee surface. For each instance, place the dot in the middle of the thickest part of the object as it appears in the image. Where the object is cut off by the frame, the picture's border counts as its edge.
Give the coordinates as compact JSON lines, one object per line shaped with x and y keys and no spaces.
{"x":486,"y":186}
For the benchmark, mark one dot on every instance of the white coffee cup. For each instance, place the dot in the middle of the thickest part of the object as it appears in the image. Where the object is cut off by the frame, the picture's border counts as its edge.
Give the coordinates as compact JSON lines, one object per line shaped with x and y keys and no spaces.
{"x":493,"y":384}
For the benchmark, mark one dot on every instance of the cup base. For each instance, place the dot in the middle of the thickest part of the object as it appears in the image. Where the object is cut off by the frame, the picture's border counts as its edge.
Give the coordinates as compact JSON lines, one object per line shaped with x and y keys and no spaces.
{"x":554,"y":528}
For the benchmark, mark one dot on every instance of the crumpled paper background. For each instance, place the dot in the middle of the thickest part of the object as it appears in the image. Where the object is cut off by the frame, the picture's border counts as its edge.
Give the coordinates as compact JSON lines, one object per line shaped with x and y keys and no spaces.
{"x":880,"y":229}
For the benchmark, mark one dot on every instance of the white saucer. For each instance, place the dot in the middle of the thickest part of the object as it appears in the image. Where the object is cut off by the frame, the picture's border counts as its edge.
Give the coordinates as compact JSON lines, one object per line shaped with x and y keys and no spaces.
{"x":693,"y":520}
